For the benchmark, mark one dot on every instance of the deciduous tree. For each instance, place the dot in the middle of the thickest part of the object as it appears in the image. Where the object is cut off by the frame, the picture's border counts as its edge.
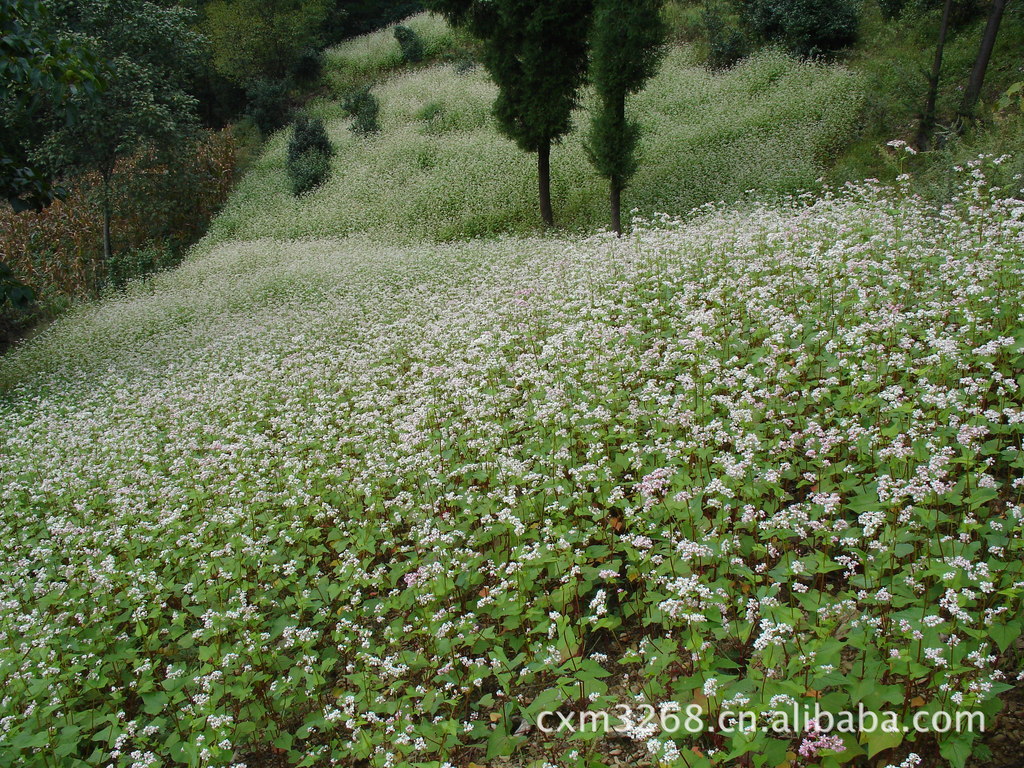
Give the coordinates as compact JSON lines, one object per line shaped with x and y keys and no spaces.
{"x":149,"y":51}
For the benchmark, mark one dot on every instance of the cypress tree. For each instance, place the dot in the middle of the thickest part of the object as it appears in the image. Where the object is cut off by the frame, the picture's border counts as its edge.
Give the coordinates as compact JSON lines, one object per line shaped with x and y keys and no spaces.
{"x":628,"y":41}
{"x":536,"y":53}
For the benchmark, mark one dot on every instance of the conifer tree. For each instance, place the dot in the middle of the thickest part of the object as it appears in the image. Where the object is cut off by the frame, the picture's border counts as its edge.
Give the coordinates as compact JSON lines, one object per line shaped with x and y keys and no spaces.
{"x":536,"y":53}
{"x":628,"y":41}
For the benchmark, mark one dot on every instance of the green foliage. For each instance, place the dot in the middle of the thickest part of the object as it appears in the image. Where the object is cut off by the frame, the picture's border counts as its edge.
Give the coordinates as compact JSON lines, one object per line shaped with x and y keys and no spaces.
{"x":726,"y":40}
{"x":410,"y":44}
{"x":536,"y":53}
{"x":309,"y":155}
{"x":351,"y":18}
{"x":363,"y":107}
{"x":307,"y":172}
{"x":39,"y":70}
{"x":162,"y":200}
{"x":805,"y":27}
{"x":255,"y":40}
{"x":133,"y":263}
{"x":1012,"y":98}
{"x":894,"y":57}
{"x":430,"y":112}
{"x":683,"y":20}
{"x":627,"y":44}
{"x":149,"y":51}
{"x":892,"y":9}
{"x":270,"y":105}
{"x":13,"y":291}
{"x":309,"y":135}
{"x":309,"y":66}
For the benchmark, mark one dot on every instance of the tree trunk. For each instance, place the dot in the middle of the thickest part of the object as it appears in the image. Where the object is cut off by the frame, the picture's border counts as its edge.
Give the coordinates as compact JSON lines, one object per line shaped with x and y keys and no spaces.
{"x":108,"y":250}
{"x":617,"y":183}
{"x":924,"y":130}
{"x":544,"y":180}
{"x":616,"y":200}
{"x":988,"y":41}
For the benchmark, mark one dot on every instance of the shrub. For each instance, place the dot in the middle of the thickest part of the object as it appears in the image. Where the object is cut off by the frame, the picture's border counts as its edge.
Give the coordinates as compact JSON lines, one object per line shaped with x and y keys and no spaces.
{"x":891,"y":9}
{"x":410,"y":44}
{"x":464,"y":63}
{"x":309,"y":66}
{"x":805,"y":27}
{"x":307,"y":172}
{"x":309,"y":155}
{"x":254,"y":39}
{"x":269,"y":105}
{"x":12,"y":290}
{"x":159,"y":199}
{"x":364,"y":108}
{"x":309,"y":135}
{"x":134,"y":263}
{"x":727,"y":43}
{"x":430,"y":111}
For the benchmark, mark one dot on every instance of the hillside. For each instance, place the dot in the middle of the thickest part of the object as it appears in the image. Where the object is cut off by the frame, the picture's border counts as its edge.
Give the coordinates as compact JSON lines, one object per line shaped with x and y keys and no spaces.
{"x":319,"y":493}
{"x":382,"y":476}
{"x":439,"y":169}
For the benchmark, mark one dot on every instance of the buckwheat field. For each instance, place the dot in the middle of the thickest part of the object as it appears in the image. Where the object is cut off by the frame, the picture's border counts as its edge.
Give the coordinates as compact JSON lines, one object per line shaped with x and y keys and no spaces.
{"x":333,"y":502}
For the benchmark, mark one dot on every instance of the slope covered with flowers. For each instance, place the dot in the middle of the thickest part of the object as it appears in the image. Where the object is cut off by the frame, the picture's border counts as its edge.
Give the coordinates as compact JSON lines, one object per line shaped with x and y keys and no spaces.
{"x":339,"y":503}
{"x":440,"y":170}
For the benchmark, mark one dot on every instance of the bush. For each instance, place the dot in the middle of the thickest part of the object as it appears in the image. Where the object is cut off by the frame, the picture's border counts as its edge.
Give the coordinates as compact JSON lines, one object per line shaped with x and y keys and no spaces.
{"x":410,"y":44}
{"x":134,"y":263}
{"x":269,"y":105}
{"x":727,"y":43}
{"x":308,"y":66}
{"x":364,"y":108}
{"x":309,"y":135}
{"x":307,"y":172}
{"x":891,"y":9}
{"x":165,"y":198}
{"x":464,"y":63}
{"x":13,"y":290}
{"x":309,"y":155}
{"x":805,"y":27}
{"x":261,"y":39}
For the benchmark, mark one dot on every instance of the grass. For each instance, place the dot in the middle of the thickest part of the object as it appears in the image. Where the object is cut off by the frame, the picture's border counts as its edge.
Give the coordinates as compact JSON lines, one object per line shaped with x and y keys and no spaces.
{"x":374,"y":56}
{"x":341,"y":503}
{"x":439,"y":169}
